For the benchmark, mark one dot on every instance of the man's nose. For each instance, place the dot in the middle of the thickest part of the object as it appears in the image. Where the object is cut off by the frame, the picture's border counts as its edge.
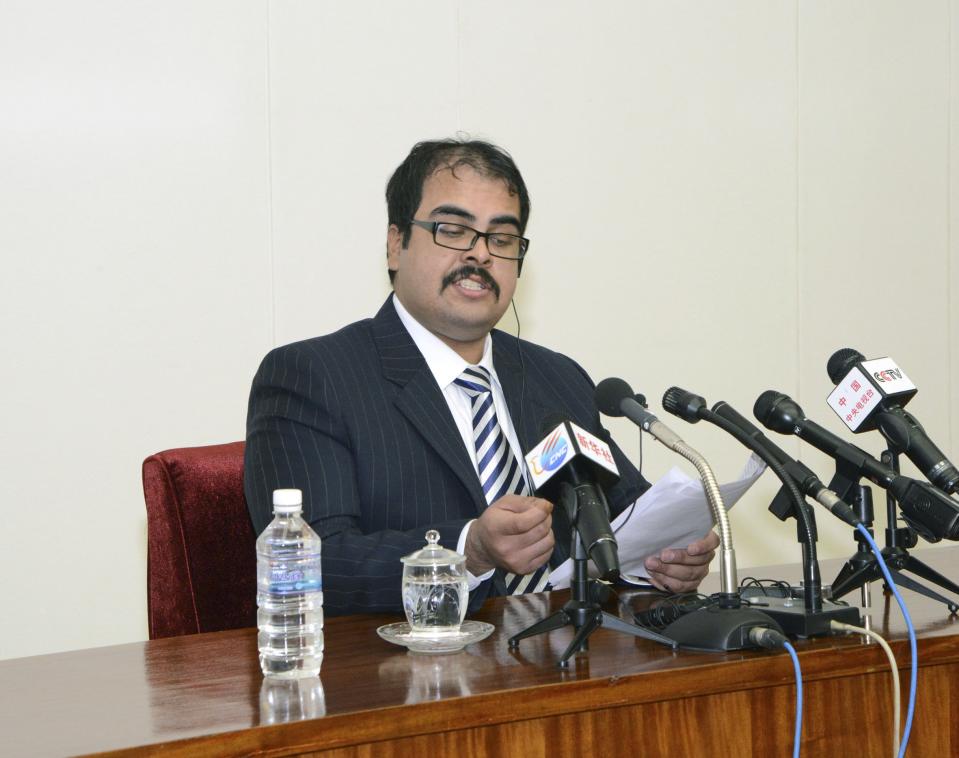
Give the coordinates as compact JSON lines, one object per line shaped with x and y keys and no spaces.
{"x":479,"y":254}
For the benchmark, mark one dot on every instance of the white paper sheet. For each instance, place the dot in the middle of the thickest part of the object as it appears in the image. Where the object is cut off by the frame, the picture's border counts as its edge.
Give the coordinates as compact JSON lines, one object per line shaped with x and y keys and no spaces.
{"x":672,"y":513}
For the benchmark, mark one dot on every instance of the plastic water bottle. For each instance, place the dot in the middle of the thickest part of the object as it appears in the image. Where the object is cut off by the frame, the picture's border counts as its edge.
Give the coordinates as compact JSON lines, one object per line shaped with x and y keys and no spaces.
{"x":289,"y":595}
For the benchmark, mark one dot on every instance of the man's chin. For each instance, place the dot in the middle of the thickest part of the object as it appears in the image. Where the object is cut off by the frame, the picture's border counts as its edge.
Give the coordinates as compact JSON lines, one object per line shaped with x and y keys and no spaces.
{"x":470,"y":329}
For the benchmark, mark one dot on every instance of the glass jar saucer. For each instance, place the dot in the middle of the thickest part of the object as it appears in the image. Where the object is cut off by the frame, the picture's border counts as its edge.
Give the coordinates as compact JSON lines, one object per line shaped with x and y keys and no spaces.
{"x":469,"y":632}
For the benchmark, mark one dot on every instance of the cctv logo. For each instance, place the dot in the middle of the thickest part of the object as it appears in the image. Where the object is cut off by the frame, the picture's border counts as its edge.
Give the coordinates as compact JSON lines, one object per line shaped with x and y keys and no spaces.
{"x":889,"y":375}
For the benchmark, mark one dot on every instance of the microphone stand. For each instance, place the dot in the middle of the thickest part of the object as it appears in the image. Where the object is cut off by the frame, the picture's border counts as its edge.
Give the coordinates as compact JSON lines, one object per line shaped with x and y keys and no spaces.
{"x":581,"y":611}
{"x":863,"y":567}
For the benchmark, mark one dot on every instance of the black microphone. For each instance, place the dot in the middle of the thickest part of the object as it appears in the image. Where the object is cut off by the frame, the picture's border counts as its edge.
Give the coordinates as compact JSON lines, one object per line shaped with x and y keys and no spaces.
{"x":805,"y":479}
{"x":924,"y":508}
{"x":614,"y":397}
{"x":692,"y":408}
{"x":570,"y":455}
{"x":871,"y":395}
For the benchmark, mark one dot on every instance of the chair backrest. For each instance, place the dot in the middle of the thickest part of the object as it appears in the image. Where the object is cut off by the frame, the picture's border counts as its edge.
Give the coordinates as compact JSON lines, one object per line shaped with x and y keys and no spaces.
{"x":201,"y":555}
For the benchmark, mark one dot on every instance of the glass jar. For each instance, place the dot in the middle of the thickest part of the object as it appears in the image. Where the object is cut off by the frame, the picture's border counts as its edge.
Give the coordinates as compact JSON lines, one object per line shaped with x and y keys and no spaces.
{"x":435,"y":592}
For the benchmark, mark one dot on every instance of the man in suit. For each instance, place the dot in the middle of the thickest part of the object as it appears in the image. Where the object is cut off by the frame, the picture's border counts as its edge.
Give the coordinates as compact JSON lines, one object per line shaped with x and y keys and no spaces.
{"x":419,"y":417}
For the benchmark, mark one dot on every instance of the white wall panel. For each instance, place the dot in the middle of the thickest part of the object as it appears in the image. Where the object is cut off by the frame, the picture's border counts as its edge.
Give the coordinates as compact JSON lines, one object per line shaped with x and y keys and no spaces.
{"x":951,"y":333}
{"x":133,"y":227}
{"x":873,"y":205}
{"x":353,"y":87}
{"x":659,"y":143}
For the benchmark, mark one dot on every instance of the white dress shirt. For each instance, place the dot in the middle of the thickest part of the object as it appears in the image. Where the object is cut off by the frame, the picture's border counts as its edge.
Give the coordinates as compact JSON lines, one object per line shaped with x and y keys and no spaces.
{"x":446,"y":365}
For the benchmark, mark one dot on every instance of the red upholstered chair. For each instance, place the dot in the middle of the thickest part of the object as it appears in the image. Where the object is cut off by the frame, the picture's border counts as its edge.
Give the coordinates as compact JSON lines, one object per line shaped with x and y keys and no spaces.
{"x":201,"y":555}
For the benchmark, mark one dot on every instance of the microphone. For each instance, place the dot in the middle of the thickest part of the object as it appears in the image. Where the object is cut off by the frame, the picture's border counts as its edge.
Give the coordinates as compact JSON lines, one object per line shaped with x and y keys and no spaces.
{"x":871,"y":395}
{"x":931,"y":513}
{"x":614,"y":397}
{"x":805,"y":479}
{"x":572,"y":456}
{"x":692,"y":408}
{"x":722,"y":622}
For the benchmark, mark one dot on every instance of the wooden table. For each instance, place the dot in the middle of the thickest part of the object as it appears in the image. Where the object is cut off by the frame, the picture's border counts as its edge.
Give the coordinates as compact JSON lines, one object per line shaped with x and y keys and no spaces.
{"x":204,"y":695}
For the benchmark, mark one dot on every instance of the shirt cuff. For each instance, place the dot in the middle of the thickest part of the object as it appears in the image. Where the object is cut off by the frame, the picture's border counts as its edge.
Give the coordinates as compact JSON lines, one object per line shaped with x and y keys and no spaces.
{"x":472,"y":582}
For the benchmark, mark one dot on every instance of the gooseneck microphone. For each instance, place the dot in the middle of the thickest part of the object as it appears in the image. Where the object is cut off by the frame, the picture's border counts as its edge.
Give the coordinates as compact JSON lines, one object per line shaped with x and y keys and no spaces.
{"x":871,"y":395}
{"x":569,"y":455}
{"x":931,"y":513}
{"x":805,"y":479}
{"x":691,"y":407}
{"x":614,"y":397}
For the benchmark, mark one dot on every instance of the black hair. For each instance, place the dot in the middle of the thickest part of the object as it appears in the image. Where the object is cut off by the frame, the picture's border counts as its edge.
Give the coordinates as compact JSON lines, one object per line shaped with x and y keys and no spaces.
{"x":404,"y":191}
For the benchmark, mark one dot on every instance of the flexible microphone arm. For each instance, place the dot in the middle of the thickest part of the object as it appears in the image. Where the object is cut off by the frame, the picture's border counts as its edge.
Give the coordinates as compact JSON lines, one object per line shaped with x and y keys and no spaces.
{"x":615,"y":398}
{"x":692,"y":408}
{"x":805,"y":480}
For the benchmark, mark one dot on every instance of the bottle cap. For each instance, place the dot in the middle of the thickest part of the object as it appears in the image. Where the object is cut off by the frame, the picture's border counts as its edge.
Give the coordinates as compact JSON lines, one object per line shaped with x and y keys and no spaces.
{"x":287,"y":501}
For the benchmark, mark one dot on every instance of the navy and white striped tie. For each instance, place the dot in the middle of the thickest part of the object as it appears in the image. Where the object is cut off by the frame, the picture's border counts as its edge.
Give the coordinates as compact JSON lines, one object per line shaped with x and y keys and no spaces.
{"x":499,"y":471}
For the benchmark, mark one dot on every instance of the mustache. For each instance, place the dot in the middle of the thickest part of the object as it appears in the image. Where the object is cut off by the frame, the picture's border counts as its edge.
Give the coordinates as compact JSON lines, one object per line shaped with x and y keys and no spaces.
{"x":467,"y":271}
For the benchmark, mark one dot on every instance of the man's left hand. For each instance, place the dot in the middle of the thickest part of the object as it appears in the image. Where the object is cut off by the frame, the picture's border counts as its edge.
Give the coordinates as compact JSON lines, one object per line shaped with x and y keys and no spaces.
{"x":676,"y":570}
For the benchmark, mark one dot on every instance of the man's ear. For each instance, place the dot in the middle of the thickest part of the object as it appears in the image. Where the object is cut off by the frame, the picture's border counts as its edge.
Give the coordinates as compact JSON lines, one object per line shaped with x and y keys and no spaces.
{"x":394,"y":245}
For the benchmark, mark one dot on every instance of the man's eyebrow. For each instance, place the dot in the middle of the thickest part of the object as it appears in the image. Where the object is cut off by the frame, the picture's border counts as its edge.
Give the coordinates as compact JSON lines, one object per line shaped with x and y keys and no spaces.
{"x":453,"y":210}
{"x":507,"y":219}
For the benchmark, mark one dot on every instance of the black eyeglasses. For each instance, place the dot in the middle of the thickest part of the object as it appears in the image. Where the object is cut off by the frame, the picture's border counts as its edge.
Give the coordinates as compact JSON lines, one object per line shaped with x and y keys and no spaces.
{"x":459,"y":237}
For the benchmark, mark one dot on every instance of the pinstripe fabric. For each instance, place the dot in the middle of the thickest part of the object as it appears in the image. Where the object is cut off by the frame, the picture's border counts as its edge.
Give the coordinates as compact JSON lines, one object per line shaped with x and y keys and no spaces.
{"x":356,"y":420}
{"x":500,"y":472}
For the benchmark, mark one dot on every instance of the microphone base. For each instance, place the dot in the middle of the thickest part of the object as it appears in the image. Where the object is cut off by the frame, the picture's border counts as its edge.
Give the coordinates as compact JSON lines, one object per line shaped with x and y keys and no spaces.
{"x":795,"y":619}
{"x":585,"y":616}
{"x":863,"y":568}
{"x":718,"y":629}
{"x":583,"y":611}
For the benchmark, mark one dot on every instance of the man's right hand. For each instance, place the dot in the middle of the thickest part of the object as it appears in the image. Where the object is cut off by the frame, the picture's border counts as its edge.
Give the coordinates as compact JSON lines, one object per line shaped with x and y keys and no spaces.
{"x":514,"y":533}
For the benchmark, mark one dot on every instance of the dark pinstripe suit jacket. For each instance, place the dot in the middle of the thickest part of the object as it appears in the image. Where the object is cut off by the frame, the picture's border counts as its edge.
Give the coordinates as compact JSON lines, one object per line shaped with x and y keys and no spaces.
{"x":356,"y":420}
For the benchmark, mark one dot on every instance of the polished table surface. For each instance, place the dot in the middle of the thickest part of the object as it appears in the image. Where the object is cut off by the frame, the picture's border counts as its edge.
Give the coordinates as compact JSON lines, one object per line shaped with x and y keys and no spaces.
{"x":201,"y":694}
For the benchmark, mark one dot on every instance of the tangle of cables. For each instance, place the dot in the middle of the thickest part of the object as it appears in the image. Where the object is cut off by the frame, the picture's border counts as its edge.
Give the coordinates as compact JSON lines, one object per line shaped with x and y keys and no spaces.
{"x":664,"y":612}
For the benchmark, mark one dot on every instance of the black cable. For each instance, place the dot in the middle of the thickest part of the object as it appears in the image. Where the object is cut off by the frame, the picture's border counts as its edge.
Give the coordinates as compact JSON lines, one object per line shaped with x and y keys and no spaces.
{"x":639,"y":468}
{"x":764,"y":585}
{"x":665,"y":611}
{"x":522,"y":379}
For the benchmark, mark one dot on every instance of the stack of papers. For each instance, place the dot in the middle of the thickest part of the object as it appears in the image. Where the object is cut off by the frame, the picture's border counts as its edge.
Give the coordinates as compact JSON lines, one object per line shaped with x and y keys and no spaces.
{"x":672,"y":513}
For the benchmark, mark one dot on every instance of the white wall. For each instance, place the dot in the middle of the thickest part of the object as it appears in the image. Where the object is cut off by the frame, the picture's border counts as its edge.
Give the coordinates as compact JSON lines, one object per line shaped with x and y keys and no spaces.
{"x":723,"y":194}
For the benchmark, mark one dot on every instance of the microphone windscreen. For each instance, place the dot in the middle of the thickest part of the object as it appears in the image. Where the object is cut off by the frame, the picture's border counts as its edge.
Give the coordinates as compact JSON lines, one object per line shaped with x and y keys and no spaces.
{"x":840,"y":363}
{"x":610,"y":394}
{"x":762,"y":410}
{"x":778,"y":412}
{"x":684,"y":404}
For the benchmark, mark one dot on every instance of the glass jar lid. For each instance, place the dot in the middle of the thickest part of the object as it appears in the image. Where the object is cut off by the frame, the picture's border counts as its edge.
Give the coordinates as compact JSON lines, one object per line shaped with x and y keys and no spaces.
{"x":433,"y":554}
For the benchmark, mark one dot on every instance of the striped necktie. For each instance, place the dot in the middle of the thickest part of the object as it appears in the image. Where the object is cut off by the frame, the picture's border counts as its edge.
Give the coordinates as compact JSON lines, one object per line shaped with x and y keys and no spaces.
{"x":499,"y":471}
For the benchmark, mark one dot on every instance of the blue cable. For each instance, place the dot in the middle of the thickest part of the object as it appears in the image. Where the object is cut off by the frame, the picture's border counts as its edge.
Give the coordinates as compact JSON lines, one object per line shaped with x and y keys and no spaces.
{"x":792,"y":652}
{"x":914,"y":669}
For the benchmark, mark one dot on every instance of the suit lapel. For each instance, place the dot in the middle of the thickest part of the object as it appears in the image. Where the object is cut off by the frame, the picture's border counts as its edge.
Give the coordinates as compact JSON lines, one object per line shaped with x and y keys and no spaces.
{"x":525,"y":412}
{"x":528,"y":415}
{"x":420,"y":400}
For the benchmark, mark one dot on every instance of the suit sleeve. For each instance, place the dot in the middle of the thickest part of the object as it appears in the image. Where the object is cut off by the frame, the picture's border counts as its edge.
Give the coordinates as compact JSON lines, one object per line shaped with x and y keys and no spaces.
{"x":296,"y":437}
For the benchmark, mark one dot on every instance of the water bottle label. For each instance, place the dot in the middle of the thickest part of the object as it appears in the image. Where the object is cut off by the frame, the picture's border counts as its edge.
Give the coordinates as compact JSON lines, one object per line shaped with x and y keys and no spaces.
{"x":284,"y":580}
